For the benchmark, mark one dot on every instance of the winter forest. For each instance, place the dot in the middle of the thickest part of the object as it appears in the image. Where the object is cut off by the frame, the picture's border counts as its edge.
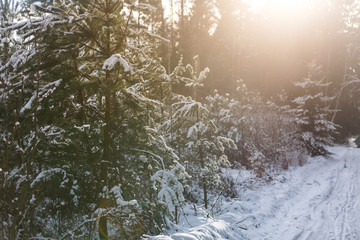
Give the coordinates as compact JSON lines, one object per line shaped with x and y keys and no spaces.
{"x":178,"y":119}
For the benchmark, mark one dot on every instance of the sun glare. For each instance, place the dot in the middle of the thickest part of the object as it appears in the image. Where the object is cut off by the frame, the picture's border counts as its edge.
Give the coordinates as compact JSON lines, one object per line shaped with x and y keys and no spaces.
{"x":279,"y":6}
{"x":288,"y":5}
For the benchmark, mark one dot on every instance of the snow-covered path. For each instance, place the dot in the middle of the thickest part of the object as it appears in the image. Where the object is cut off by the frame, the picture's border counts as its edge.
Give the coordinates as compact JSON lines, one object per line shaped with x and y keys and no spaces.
{"x":325,"y":204}
{"x":318,"y":201}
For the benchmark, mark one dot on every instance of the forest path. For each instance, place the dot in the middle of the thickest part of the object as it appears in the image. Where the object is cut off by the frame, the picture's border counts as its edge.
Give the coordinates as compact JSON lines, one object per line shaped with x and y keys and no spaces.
{"x":325,"y":204}
{"x":319,"y":201}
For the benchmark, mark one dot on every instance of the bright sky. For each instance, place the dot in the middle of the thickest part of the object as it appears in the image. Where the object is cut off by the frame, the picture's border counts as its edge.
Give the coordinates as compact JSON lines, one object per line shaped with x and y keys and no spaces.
{"x":166,"y":6}
{"x":280,"y":6}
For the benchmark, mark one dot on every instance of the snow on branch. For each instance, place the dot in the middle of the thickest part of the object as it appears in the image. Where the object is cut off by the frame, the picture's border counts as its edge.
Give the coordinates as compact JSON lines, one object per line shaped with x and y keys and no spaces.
{"x":141,"y":98}
{"x":223,"y":142}
{"x":152,"y":154}
{"x":34,"y":24}
{"x":48,"y":9}
{"x":48,"y":174}
{"x":196,"y":80}
{"x":189,"y":109}
{"x":156,"y":36}
{"x":171,"y":190}
{"x":144,"y":6}
{"x":18,"y":58}
{"x":203,"y":74}
{"x":43,"y":93}
{"x":307,"y":82}
{"x":116,"y":191}
{"x":113,"y":60}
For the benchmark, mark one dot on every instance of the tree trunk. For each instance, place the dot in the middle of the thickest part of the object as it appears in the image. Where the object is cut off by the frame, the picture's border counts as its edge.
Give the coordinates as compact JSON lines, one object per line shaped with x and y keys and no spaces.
{"x":103,"y":233}
{"x":201,"y":155}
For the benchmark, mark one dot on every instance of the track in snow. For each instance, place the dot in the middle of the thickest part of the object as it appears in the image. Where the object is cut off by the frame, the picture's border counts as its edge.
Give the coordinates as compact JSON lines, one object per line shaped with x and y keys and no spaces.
{"x":321,"y":205}
{"x":319,"y":201}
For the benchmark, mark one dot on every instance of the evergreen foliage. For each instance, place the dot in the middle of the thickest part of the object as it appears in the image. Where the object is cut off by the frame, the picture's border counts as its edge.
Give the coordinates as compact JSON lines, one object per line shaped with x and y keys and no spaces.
{"x":98,"y":139}
{"x":313,"y":112}
{"x":204,"y":150}
{"x":263,"y":131}
{"x":91,"y":106}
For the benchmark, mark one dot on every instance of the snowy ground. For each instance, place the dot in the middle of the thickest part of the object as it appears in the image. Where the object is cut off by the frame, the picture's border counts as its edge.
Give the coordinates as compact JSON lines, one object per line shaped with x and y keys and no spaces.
{"x":317,"y":201}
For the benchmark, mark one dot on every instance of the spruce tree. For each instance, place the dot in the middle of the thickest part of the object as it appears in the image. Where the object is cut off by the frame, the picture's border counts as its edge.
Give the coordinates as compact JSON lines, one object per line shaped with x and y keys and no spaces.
{"x":203,"y":148}
{"x":93,"y":109}
{"x":313,"y":112}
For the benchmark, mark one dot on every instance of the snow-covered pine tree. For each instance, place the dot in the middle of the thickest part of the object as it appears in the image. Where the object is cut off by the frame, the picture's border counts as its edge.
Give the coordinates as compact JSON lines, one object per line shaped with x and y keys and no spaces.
{"x":313,"y":112}
{"x":96,"y":78}
{"x":20,"y":131}
{"x":204,"y":151}
{"x":280,"y":146}
{"x":232,"y":116}
{"x":10,"y":85}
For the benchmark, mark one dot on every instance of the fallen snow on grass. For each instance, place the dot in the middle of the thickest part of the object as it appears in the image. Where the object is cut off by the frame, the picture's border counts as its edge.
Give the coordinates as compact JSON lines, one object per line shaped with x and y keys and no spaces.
{"x":317,"y":201}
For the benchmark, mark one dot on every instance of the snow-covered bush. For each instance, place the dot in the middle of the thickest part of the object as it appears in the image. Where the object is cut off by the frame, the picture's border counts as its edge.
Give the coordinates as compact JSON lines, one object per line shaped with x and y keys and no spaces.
{"x":264,"y":132}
